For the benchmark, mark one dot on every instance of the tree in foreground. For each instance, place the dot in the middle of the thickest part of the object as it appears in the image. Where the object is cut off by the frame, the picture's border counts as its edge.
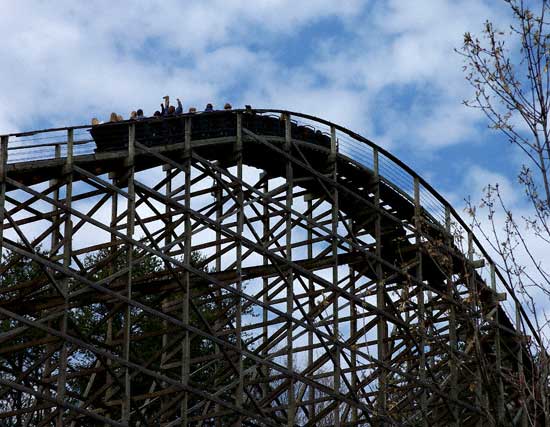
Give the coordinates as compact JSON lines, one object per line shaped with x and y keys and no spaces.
{"x":509,"y":71}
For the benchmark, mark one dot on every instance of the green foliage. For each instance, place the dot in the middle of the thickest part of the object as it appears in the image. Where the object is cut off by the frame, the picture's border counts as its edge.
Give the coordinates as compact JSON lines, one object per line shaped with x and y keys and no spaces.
{"x":21,"y":269}
{"x":100,"y":321}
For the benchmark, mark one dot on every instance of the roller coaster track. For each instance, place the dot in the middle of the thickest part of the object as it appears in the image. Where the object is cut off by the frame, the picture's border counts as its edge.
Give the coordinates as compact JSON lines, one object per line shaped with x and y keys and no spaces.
{"x":229,"y":274}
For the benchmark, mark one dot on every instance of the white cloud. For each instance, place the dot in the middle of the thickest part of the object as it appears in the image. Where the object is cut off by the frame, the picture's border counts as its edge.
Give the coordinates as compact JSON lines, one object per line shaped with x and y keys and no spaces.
{"x":404,"y":64}
{"x":94,"y":58}
{"x":474,"y":183}
{"x":476,"y":180}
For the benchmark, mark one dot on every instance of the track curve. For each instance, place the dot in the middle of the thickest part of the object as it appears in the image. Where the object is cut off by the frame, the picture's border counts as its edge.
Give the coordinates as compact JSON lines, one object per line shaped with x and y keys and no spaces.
{"x":334,"y":239}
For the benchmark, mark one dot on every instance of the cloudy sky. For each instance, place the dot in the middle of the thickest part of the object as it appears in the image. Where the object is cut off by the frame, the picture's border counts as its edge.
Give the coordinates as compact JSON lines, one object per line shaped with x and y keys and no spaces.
{"x":386,"y":69}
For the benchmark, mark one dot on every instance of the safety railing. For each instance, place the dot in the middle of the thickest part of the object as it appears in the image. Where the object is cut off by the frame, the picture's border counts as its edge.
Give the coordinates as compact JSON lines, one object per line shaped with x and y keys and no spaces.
{"x":48,"y":144}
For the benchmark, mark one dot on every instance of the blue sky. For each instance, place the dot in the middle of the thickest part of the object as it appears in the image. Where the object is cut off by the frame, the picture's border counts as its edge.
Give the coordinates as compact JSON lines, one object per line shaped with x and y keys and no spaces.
{"x":386,"y":69}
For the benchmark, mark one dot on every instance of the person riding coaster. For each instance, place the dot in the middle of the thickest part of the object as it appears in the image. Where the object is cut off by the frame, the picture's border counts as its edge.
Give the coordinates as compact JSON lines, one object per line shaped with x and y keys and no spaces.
{"x":154,"y":131}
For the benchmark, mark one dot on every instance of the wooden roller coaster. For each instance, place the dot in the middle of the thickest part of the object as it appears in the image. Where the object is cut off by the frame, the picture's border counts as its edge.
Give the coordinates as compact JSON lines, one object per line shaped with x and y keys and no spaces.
{"x":246,"y":267}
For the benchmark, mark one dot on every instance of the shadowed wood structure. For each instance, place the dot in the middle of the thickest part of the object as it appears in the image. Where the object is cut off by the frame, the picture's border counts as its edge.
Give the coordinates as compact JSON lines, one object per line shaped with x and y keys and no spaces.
{"x":250,"y":267}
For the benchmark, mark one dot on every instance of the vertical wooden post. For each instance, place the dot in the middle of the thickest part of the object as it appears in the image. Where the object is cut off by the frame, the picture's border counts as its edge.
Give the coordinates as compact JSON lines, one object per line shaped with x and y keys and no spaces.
{"x":3,"y":166}
{"x":475,"y":308}
{"x":498,"y":350}
{"x":56,"y":233}
{"x":188,"y":241}
{"x":382,"y":325}
{"x":335,"y":305}
{"x":67,"y":248}
{"x":521,"y":373}
{"x":452,"y":324}
{"x":166,"y":301}
{"x":311,"y":305}
{"x":265,"y":296}
{"x":112,"y":268}
{"x":239,"y":255}
{"x":49,"y":366}
{"x":290,"y":275}
{"x":219,"y":324}
{"x":353,"y":335}
{"x":420,"y":300}
{"x":55,"y":218}
{"x":130,"y":219}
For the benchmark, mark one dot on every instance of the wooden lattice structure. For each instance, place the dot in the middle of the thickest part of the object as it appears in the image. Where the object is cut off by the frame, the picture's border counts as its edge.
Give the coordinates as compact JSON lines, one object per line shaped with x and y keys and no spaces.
{"x":246,"y":269}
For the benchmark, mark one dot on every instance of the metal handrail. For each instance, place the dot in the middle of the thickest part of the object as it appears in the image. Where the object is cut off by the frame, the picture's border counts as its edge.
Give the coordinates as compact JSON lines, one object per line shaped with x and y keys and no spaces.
{"x":50,"y":144}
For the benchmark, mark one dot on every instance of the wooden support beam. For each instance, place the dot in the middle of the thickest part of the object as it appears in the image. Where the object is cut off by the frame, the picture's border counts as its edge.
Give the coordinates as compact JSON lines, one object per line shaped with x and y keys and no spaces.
{"x":64,"y":284}
{"x":3,"y":165}
{"x":453,"y":339}
{"x":186,"y":343}
{"x":382,"y":326}
{"x":289,"y":279}
{"x":498,"y":355}
{"x":239,"y":390}
{"x":335,"y":305}
{"x":130,"y":227}
{"x":422,"y":363}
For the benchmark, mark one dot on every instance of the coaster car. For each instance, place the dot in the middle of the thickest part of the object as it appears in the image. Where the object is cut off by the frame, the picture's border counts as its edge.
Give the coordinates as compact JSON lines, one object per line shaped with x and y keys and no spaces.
{"x":113,"y":136}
